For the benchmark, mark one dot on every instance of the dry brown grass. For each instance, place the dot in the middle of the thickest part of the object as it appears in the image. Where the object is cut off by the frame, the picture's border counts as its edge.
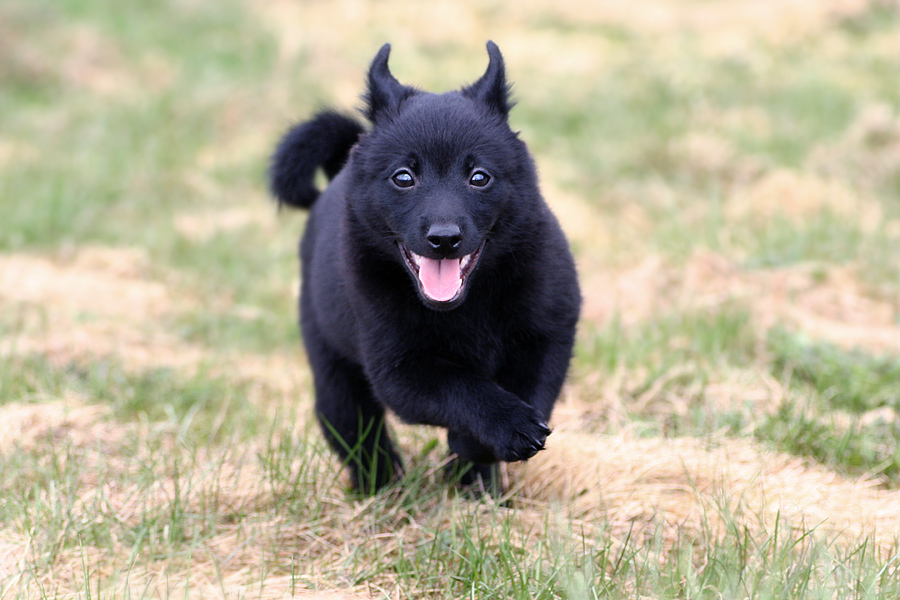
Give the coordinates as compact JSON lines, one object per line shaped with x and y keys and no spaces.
{"x":643,"y":489}
{"x":202,"y":225}
{"x":28,"y":426}
{"x":100,"y":302}
{"x":644,"y":486}
{"x":835,"y":307}
{"x":93,"y":302}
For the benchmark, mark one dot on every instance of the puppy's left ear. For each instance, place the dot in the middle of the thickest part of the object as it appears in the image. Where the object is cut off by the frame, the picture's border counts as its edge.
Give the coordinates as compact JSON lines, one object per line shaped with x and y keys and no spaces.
{"x":492,"y":89}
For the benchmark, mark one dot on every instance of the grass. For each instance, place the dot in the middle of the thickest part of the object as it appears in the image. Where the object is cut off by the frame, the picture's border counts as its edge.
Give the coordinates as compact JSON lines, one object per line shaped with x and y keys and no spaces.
{"x":415,"y":537}
{"x":729,"y":429}
{"x":834,"y":417}
{"x":158,"y":394}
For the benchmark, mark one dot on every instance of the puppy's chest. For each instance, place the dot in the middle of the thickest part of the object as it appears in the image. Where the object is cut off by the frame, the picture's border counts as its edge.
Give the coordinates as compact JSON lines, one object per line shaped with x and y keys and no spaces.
{"x":481,"y":343}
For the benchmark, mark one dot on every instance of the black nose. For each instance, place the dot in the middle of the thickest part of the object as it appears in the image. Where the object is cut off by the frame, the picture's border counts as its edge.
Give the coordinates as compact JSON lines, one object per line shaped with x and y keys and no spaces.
{"x":443,"y":237}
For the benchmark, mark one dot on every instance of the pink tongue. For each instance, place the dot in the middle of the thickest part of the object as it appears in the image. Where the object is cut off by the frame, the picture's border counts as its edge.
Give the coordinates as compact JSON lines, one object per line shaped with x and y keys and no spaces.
{"x":440,"y":278}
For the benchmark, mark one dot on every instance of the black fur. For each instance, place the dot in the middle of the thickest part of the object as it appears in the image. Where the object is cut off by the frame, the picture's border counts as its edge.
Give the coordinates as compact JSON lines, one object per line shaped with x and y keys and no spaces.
{"x":438,"y":180}
{"x":322,"y":142}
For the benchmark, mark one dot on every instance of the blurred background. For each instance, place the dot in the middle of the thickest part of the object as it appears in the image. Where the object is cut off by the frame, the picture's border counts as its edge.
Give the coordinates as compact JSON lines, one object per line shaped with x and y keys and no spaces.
{"x":728,"y":173}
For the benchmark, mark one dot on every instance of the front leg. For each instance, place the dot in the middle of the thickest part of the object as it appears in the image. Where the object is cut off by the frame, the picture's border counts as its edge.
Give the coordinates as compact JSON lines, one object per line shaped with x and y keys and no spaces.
{"x":537,"y":371}
{"x":439,"y":392}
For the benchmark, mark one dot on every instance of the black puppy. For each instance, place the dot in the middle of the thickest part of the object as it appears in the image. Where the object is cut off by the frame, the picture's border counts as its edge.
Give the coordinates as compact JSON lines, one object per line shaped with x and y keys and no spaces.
{"x":436,"y":281}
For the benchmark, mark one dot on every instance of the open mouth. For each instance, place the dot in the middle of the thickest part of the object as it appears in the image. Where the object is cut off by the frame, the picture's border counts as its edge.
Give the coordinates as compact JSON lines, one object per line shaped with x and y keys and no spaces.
{"x":440,"y":280}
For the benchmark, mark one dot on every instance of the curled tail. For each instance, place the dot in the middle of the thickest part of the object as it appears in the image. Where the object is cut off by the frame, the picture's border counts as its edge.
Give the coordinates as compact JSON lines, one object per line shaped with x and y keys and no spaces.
{"x":323,"y":141}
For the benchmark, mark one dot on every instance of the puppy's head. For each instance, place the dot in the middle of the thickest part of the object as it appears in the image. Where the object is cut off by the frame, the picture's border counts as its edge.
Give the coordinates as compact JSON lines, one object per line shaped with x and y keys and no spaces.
{"x":437,"y":175}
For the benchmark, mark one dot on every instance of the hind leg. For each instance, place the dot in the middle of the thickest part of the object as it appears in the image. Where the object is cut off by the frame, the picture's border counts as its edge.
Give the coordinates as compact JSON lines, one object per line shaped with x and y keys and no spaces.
{"x":354,"y":425}
{"x":353,"y":421}
{"x":475,"y":467}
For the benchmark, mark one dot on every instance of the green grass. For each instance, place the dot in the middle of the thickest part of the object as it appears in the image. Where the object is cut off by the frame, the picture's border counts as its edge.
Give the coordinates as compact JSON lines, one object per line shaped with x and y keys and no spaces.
{"x":68,"y":513}
{"x":825,"y":237}
{"x":851,"y":380}
{"x":157,"y":395}
{"x":115,"y":170}
{"x":625,"y":118}
{"x":716,"y":337}
{"x":852,"y":448}
{"x":832,"y":391}
{"x":826,"y":417}
{"x":673,"y":360}
{"x":419,"y":536}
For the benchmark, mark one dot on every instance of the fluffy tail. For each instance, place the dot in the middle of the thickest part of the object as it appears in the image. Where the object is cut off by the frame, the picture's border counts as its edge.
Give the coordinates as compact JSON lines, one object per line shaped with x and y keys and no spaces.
{"x":323,"y":141}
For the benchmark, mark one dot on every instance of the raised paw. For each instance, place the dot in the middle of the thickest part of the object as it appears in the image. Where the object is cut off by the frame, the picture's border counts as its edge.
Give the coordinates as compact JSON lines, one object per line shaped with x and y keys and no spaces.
{"x":521,"y":437}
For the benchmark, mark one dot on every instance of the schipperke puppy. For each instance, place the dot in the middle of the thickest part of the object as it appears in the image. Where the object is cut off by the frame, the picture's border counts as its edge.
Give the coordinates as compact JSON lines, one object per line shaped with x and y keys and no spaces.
{"x":435,"y":280}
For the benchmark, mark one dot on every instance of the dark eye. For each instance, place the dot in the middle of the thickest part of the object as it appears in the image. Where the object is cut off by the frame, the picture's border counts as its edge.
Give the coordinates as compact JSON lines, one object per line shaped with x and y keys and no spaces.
{"x":403,"y":179}
{"x":479,"y":179}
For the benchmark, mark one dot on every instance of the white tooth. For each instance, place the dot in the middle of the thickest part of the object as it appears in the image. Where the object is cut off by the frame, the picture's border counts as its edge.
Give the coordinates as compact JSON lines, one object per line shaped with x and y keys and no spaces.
{"x":464,"y":261}
{"x":417,"y":258}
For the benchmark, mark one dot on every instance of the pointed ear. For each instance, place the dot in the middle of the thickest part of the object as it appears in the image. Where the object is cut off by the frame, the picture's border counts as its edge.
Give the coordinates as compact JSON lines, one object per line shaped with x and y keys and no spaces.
{"x":492,"y":89}
{"x":384,"y":93}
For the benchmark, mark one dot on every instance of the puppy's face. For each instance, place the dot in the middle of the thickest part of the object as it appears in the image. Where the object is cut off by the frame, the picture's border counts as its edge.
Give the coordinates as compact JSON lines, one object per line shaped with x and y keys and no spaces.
{"x":439,"y":177}
{"x":439,"y":172}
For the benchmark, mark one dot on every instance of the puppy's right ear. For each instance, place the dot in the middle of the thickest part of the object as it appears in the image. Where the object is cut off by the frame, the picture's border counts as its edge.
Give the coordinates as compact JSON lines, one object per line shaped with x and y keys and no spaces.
{"x":385,"y":93}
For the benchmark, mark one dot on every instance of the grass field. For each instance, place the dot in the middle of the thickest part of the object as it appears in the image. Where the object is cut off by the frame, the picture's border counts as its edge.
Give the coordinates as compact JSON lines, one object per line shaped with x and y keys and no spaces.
{"x":728,"y":173}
